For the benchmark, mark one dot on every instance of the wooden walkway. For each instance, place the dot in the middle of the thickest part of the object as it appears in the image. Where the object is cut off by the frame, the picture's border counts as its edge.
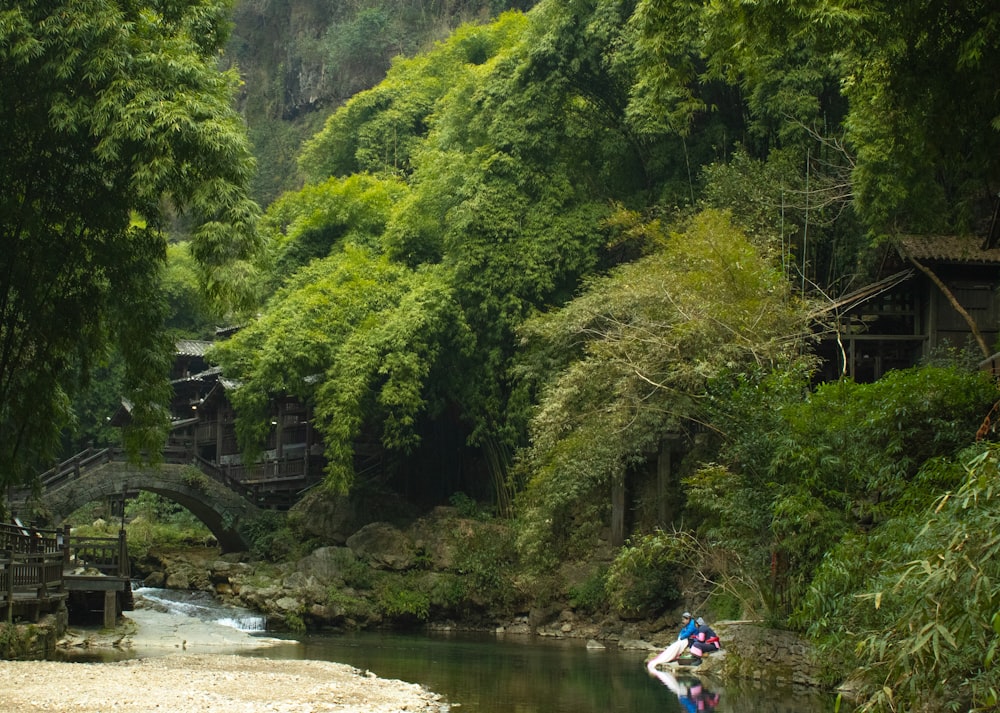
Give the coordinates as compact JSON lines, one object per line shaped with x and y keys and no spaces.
{"x":41,"y":569}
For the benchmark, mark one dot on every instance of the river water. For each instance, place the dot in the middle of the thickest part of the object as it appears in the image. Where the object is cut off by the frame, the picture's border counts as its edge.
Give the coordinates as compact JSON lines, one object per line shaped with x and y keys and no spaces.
{"x":481,"y":673}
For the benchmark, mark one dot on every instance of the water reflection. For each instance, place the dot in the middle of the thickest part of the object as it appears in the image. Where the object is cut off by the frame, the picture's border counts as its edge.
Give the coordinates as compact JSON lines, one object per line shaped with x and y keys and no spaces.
{"x":693,"y":694}
{"x":486,"y":674}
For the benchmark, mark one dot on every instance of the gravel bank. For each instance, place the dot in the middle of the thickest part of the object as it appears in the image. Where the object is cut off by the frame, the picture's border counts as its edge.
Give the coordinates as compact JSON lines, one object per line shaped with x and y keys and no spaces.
{"x":195,"y":683}
{"x":186,"y":666}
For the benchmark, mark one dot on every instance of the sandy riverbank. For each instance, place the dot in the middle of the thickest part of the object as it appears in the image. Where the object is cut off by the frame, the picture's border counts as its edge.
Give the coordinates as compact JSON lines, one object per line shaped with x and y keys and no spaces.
{"x":187,"y":666}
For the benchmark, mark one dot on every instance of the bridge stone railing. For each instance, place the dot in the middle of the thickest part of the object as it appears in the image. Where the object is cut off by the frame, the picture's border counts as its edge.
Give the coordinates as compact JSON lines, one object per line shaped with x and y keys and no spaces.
{"x":99,"y":474}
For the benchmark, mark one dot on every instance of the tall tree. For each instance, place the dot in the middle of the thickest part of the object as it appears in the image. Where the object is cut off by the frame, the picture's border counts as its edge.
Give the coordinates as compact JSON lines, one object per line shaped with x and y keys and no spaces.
{"x":109,"y":112}
{"x":906,"y":85}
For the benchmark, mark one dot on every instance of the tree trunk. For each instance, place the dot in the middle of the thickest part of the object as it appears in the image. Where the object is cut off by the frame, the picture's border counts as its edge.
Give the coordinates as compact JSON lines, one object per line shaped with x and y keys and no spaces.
{"x":618,"y":511}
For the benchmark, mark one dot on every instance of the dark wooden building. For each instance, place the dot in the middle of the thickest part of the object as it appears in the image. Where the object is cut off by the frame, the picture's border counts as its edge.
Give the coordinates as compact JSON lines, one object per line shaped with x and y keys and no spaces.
{"x":933,"y":287}
{"x":203,"y":425}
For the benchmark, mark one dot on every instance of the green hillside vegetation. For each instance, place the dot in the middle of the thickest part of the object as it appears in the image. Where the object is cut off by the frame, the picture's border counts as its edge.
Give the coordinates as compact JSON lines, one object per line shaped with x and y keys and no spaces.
{"x":565,"y":236}
{"x":302,"y":59}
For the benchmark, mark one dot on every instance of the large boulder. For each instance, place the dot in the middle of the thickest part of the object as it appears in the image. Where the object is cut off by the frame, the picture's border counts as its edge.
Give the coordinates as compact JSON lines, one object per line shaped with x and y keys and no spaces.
{"x":384,"y":546}
{"x":327,"y":564}
{"x":437,"y":536}
{"x":328,"y":517}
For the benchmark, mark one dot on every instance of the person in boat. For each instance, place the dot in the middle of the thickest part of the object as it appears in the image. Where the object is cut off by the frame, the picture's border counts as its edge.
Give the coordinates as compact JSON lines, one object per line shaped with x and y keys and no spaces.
{"x":688,"y":629}
{"x":704,"y":640}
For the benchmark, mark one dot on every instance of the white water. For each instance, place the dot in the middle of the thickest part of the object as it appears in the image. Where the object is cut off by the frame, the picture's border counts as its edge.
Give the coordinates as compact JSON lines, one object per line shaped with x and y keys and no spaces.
{"x":202,"y":606}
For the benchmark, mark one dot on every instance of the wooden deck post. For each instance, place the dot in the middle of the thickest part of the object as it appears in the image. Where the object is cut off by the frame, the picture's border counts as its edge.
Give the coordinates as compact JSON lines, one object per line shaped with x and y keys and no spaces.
{"x":10,"y":586}
{"x":124,"y":568}
{"x":110,"y":609}
{"x":65,"y":545}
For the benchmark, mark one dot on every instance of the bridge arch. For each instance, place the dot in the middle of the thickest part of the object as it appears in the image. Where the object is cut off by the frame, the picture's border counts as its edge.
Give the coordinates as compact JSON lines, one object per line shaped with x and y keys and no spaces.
{"x":222,"y":510}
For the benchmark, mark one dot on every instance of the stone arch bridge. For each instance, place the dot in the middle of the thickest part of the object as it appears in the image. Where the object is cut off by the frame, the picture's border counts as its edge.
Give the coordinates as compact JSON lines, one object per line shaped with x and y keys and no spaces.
{"x":223,"y":504}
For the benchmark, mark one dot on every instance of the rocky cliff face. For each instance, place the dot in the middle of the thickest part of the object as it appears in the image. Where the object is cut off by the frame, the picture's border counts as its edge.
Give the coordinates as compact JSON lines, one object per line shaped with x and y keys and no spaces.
{"x":301,"y":59}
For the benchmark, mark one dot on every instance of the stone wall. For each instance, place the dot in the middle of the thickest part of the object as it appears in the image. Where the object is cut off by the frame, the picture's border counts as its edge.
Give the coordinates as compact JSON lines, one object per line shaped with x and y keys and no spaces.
{"x":758,"y":653}
{"x":33,"y":641}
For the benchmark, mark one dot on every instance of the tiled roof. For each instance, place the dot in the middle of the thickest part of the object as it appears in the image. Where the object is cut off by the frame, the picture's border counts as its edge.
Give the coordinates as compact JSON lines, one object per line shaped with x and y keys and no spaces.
{"x":192,"y":347}
{"x":947,"y":248}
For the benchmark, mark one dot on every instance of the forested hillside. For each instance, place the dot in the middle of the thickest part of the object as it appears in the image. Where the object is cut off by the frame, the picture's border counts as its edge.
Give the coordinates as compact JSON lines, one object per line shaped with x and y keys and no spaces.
{"x":545,"y":249}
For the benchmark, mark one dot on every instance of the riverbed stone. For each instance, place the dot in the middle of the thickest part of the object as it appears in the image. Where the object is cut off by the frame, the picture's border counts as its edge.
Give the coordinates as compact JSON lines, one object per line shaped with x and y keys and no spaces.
{"x":763,"y":654}
{"x":437,"y":536}
{"x":635,"y":645}
{"x":327,"y":516}
{"x":178,"y":580}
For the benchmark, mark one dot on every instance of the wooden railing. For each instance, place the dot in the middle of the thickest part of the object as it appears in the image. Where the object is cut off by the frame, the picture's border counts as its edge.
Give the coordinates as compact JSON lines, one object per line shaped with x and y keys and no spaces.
{"x":31,"y":566}
{"x":70,"y":469}
{"x":107,"y":555}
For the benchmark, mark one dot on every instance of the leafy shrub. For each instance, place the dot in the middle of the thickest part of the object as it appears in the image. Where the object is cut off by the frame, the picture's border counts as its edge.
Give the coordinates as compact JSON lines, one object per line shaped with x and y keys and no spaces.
{"x":268,"y":536}
{"x":294,"y":622}
{"x":356,"y":573}
{"x":591,"y":596}
{"x":487,"y":560}
{"x":466,"y":506}
{"x":402,"y":598}
{"x":801,"y":471}
{"x":919,"y":600}
{"x":195,"y":479}
{"x":642,"y":579}
{"x":352,"y":607}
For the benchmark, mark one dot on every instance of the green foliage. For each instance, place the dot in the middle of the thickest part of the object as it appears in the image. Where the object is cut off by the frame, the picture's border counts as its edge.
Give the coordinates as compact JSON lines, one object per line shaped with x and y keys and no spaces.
{"x":466,"y":506}
{"x":379,"y":130}
{"x":15,"y":640}
{"x":110,"y":114}
{"x":195,"y":479}
{"x":294,"y":622}
{"x":918,"y":598}
{"x":884,"y":75}
{"x":93,"y":404}
{"x":356,"y":573}
{"x":151,"y":521}
{"x":401,"y":598}
{"x":592,"y":595}
{"x":631,"y":360}
{"x":323,"y":218}
{"x":189,"y":313}
{"x":643,"y":579}
{"x":486,"y":559}
{"x":804,"y":470}
{"x":269,"y":537}
{"x":160,"y":510}
{"x":352,"y":607}
{"x":359,"y":337}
